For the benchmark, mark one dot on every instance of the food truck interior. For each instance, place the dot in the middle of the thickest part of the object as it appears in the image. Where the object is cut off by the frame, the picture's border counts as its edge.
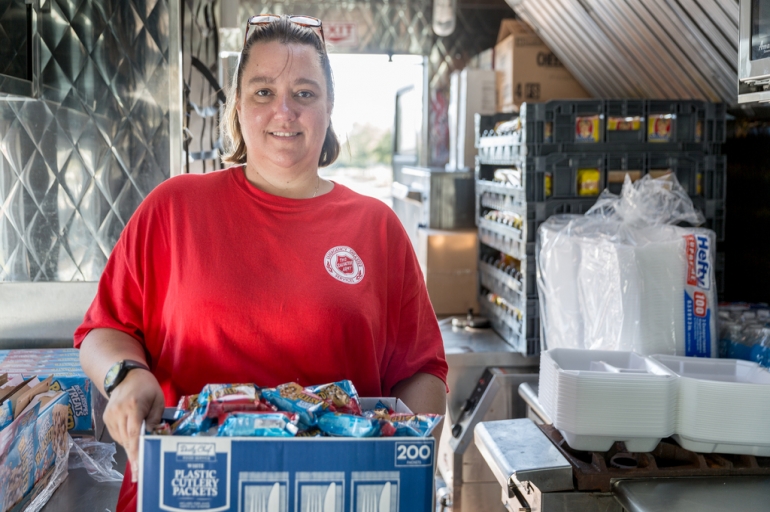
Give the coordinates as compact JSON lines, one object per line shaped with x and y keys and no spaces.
{"x":101,"y":101}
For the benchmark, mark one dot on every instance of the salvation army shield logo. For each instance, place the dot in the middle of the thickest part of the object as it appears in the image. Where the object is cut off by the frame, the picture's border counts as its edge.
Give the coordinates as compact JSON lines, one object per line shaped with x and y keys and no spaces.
{"x":343,"y":264}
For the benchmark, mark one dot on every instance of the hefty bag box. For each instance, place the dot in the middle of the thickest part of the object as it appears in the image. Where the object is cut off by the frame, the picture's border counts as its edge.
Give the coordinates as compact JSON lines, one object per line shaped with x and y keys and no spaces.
{"x":63,"y":365}
{"x":278,"y":474}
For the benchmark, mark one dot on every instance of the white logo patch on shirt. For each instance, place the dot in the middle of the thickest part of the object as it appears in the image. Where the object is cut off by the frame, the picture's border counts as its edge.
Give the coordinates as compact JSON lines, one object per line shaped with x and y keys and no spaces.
{"x":343,"y":264}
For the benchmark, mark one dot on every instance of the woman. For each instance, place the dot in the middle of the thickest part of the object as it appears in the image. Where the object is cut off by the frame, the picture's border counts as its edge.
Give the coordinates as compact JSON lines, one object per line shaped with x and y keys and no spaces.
{"x":263,"y":272}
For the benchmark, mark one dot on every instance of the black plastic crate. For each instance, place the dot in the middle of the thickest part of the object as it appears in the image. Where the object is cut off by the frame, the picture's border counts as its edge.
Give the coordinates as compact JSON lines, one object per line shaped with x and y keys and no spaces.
{"x":533,"y":328}
{"x":624,"y":121}
{"x":584,"y":175}
{"x":690,"y":120}
{"x":537,"y":213}
{"x":700,"y":175}
{"x":563,"y":176}
{"x":714,"y":211}
{"x":567,"y":126}
{"x":531,"y":279}
{"x":714,"y":180}
{"x":719,"y":273}
{"x":591,"y":126}
{"x":596,"y":122}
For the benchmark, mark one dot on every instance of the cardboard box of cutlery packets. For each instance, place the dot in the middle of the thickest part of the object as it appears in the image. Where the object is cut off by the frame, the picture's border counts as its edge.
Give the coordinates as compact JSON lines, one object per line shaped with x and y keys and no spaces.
{"x":297,"y":474}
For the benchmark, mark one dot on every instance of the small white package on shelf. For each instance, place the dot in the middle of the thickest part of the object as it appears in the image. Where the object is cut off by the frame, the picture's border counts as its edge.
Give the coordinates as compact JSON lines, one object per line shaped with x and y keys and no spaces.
{"x":625,"y":277}
{"x":723,"y":405}
{"x":596,"y":398}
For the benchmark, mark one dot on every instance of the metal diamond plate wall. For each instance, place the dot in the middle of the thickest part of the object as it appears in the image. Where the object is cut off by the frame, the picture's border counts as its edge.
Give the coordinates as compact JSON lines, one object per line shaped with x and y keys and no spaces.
{"x":13,"y":34}
{"x":384,"y":26}
{"x":75,"y":163}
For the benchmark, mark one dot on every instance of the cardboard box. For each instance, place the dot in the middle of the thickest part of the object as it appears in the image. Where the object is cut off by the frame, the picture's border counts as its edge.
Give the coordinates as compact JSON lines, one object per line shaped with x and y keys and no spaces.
{"x":29,"y":447}
{"x":449,"y":263}
{"x":528,"y":71}
{"x":472,"y":91}
{"x":64,"y":366}
{"x":277,"y":474}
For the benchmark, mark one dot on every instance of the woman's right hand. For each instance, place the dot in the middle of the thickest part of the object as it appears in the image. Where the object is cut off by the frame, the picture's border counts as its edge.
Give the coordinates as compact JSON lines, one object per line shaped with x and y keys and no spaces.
{"x":138,"y":398}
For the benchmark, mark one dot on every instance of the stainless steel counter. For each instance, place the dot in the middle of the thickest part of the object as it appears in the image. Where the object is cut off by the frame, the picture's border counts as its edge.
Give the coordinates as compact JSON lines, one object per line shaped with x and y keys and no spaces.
{"x":535,"y":476}
{"x":81,"y":493}
{"x":747,"y":494}
{"x":518,"y":453}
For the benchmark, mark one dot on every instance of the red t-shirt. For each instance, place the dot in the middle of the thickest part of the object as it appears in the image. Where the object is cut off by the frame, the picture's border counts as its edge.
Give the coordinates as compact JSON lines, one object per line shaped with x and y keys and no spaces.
{"x":222,"y":282}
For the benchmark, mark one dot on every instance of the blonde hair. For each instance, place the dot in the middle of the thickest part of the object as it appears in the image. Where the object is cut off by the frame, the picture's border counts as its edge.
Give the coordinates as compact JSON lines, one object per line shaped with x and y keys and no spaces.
{"x":285,"y":32}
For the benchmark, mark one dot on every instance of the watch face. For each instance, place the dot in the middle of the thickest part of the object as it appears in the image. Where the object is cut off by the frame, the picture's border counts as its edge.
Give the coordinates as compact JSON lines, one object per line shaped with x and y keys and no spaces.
{"x":112,"y":374}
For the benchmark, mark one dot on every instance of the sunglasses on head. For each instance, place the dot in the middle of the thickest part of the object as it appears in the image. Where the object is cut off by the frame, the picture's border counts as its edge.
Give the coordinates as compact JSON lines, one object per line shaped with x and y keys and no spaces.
{"x":302,"y":21}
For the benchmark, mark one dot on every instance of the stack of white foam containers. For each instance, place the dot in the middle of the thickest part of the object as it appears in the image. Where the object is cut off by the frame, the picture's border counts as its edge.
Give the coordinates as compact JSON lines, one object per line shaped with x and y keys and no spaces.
{"x":596,"y":398}
{"x":723,"y":405}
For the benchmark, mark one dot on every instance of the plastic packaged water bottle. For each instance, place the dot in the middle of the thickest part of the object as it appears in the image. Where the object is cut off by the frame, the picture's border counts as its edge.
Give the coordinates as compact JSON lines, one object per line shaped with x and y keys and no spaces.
{"x":739,"y":342}
{"x":760,"y":352}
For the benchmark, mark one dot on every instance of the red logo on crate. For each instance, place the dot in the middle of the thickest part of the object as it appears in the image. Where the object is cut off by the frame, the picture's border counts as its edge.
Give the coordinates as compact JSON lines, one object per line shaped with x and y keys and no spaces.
{"x":700,"y":304}
{"x":692,"y":250}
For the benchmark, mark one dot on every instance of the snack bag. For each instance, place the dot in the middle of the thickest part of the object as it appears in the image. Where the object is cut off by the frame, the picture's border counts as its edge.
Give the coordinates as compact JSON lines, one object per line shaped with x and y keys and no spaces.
{"x":219,"y":408}
{"x":184,"y":426}
{"x":414,"y":425}
{"x":380,"y":412}
{"x":292,"y":397}
{"x":186,"y":404}
{"x":341,"y":396}
{"x":162,"y":429}
{"x":348,"y":425}
{"x":259,"y":424}
{"x":224,"y":392}
{"x":312,"y":432}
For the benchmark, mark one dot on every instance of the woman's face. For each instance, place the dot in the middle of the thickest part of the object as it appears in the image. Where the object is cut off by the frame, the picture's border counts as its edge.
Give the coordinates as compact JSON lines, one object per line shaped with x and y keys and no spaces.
{"x":283,"y":108}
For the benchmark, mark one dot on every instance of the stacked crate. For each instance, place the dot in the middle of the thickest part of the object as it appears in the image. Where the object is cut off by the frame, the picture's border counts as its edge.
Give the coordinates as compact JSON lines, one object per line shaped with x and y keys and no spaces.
{"x":562,"y":154}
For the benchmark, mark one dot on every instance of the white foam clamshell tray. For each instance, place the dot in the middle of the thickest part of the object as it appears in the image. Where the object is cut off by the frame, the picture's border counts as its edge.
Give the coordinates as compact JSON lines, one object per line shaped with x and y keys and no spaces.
{"x":598,"y":397}
{"x":723,"y":405}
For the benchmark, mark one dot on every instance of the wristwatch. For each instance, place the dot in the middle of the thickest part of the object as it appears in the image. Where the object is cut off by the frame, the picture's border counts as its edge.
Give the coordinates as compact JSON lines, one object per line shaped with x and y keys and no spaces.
{"x":118,"y":372}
